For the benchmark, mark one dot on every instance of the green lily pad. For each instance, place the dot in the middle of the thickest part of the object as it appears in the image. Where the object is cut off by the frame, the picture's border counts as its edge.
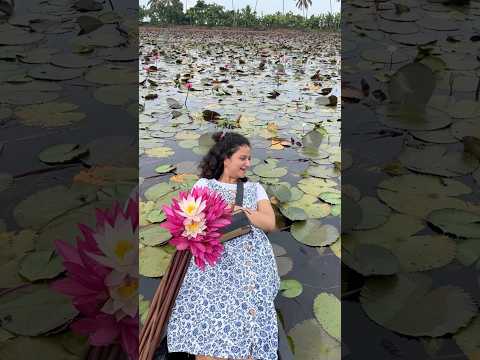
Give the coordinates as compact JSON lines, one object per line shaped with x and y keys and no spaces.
{"x":374,"y":213}
{"x":187,"y":144}
{"x":393,"y":301}
{"x":41,"y":207}
{"x":468,"y":251}
{"x":116,"y":94}
{"x":312,"y":342}
{"x":160,"y":152}
{"x":268,"y":171}
{"x":49,"y":115}
{"x":23,"y":347}
{"x":143,"y":308}
{"x":156,"y":191}
{"x":50,"y":72}
{"x":281,"y":192}
{"x":166,"y":168}
{"x":294,"y":213}
{"x":314,"y":233}
{"x":315,"y":186}
{"x":111,"y":75}
{"x":467,"y":339}
{"x":154,"y":235}
{"x":424,"y":252}
{"x":290,"y":288}
{"x":327,"y":310}
{"x":369,"y":259}
{"x":153,"y":261}
{"x":41,"y":265}
{"x":62,"y":153}
{"x":457,"y":222}
{"x":331,"y":197}
{"x":323,"y":172}
{"x":35,"y":310}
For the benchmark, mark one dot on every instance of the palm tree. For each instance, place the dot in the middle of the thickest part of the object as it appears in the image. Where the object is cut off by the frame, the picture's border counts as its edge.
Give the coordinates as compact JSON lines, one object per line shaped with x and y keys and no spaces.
{"x":303,"y":5}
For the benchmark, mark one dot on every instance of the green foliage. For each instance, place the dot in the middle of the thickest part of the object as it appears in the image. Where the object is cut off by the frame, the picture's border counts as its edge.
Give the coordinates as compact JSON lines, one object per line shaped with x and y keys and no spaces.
{"x":166,"y":12}
{"x":170,"y":12}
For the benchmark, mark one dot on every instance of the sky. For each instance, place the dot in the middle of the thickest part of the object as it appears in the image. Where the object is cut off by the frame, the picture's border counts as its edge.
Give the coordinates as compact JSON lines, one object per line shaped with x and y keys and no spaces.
{"x":270,"y":6}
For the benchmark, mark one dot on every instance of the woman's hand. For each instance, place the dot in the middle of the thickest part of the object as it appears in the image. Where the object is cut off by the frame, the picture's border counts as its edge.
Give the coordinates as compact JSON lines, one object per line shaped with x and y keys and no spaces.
{"x":263,"y":218}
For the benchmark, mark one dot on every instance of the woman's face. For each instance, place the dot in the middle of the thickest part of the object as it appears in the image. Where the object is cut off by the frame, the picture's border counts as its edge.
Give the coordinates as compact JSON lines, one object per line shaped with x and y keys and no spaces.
{"x":237,"y":165}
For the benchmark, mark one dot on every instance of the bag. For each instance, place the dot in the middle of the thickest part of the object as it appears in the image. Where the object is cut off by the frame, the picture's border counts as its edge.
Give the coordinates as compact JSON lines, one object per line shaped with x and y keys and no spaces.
{"x":240,"y":224}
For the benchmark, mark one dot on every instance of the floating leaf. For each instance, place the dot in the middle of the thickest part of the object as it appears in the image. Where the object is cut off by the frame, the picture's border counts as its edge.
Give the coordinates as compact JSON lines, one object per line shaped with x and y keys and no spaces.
{"x":156,"y":191}
{"x":49,"y":115}
{"x":35,"y":311}
{"x":457,"y":222}
{"x":153,"y":261}
{"x":327,"y":310}
{"x":290,"y":288}
{"x":41,"y":265}
{"x":50,"y":72}
{"x":314,"y":233}
{"x":166,"y":168}
{"x":393,"y":301}
{"x":154,"y":235}
{"x":468,"y":251}
{"x":467,"y":339}
{"x":39,"y":208}
{"x":313,"y":343}
{"x":62,"y":153}
{"x":160,"y":152}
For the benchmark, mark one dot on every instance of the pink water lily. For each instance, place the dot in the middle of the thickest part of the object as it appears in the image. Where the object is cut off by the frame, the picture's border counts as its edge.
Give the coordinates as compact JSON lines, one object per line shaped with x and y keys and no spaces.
{"x":102,"y":280}
{"x":199,"y":235}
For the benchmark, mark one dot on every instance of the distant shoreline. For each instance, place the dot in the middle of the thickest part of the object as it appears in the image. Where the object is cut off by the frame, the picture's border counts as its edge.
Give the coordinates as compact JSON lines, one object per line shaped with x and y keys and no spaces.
{"x":147,"y":27}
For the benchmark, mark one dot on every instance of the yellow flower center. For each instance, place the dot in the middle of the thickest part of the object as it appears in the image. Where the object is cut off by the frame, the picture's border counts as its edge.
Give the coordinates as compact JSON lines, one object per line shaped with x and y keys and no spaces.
{"x":128,"y":289}
{"x":190,"y":208}
{"x":122,"y":247}
{"x":193,"y":227}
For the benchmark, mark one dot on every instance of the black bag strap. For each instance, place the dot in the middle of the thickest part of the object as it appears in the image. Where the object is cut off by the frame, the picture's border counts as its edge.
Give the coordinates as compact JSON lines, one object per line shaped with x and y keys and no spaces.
{"x":239,"y":197}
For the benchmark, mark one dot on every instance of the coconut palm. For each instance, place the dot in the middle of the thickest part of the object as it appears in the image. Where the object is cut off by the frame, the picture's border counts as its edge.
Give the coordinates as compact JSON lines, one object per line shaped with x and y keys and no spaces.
{"x":303,"y":5}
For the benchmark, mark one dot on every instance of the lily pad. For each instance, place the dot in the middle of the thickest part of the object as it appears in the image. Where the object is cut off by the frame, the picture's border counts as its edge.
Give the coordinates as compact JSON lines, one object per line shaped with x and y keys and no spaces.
{"x":62,"y":153}
{"x":456,"y":222}
{"x":50,"y":72}
{"x":313,"y":343}
{"x":156,"y":191}
{"x":393,"y":301}
{"x":41,"y":207}
{"x":154,"y":235}
{"x":160,"y":152}
{"x":314,"y":233}
{"x":49,"y":115}
{"x":327,"y":310}
{"x":153,"y":261}
{"x":268,"y":171}
{"x":290,"y":288}
{"x":163,"y":169}
{"x":36,"y":310}
{"x":41,"y":265}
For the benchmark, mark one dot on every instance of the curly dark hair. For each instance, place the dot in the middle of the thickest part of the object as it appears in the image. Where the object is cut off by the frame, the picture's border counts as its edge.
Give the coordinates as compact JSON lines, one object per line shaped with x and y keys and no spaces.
{"x":226,"y":144}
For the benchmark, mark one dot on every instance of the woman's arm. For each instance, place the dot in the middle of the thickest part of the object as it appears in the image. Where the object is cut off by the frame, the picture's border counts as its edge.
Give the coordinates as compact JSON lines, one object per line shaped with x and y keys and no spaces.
{"x":263,"y":217}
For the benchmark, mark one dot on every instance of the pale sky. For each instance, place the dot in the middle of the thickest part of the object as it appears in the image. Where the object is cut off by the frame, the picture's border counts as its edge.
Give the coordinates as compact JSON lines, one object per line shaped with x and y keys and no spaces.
{"x":269,"y":6}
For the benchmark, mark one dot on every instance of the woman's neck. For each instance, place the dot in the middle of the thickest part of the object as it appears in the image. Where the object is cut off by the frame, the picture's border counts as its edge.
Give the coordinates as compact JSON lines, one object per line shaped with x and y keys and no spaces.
{"x":228,"y":179}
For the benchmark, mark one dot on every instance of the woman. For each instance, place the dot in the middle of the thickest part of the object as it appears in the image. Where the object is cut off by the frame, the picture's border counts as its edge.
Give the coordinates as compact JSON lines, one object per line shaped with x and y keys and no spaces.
{"x":227,"y":311}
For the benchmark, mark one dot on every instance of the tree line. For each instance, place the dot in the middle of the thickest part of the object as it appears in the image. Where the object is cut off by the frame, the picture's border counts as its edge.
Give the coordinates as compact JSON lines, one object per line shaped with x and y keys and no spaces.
{"x":170,"y":12}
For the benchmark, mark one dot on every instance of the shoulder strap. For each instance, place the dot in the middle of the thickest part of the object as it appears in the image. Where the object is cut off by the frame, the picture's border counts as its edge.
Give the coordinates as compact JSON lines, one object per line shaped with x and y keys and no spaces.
{"x":239,"y":197}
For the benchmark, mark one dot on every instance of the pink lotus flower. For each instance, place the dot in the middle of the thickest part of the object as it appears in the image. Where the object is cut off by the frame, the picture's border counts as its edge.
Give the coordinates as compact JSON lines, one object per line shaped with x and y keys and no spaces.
{"x":188,"y":85}
{"x":104,"y":305}
{"x":199,"y":235}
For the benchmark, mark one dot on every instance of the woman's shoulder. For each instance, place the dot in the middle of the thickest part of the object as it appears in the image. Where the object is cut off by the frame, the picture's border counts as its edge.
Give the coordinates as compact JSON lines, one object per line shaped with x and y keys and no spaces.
{"x":201,"y":182}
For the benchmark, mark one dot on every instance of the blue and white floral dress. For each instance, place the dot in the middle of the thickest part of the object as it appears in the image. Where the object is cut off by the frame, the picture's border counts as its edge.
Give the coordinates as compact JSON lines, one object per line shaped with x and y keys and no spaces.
{"x":228,"y":310}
